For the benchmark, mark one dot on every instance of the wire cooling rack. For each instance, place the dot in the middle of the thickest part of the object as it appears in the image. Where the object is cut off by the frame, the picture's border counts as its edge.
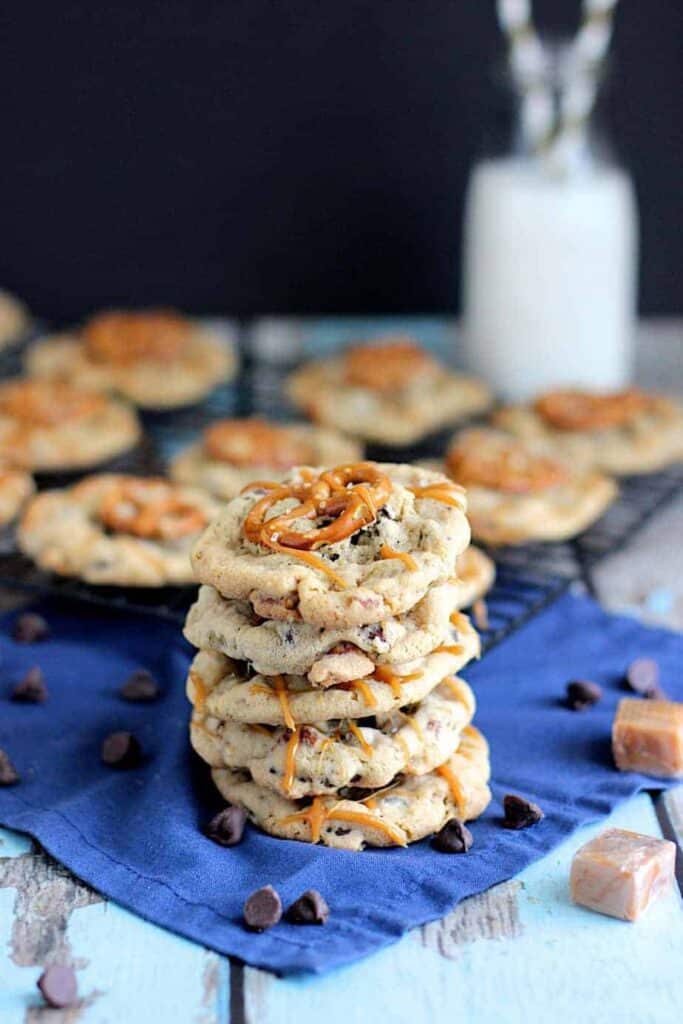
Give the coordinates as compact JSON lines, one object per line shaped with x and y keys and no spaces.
{"x":529,"y":577}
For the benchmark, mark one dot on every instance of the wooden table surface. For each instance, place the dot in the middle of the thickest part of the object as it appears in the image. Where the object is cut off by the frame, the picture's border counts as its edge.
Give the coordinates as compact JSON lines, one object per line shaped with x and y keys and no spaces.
{"x":518,"y":953}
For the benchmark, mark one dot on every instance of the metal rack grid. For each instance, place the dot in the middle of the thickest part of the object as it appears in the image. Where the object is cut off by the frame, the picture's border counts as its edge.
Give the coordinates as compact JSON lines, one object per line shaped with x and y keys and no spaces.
{"x":529,"y":577}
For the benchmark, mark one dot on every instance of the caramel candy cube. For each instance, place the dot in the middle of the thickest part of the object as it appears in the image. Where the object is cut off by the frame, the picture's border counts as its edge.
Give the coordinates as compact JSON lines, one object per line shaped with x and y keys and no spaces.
{"x":621,"y":873}
{"x":647,"y":736}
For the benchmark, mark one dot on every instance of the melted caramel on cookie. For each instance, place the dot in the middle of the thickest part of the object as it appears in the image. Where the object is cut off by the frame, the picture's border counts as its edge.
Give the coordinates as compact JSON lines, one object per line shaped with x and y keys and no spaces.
{"x":42,"y":403}
{"x":389,"y":366}
{"x":483,"y":459}
{"x":365,"y":746}
{"x":290,"y":760}
{"x":582,"y":410}
{"x":447,"y":773}
{"x":316,"y":815}
{"x":445,"y":492}
{"x":124,"y":338}
{"x":255,"y":442}
{"x":403,"y":556}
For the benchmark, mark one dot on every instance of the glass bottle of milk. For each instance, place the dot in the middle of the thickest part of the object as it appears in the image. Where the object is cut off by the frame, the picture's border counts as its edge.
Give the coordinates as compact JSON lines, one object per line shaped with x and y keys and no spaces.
{"x":550,"y":267}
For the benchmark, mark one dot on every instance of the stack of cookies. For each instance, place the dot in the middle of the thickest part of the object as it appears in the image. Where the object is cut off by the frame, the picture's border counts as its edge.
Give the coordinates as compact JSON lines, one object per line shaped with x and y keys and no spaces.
{"x":324,"y":692}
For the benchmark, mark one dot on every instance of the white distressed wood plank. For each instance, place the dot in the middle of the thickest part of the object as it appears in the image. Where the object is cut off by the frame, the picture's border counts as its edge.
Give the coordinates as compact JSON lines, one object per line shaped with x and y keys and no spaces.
{"x":540,"y":959}
{"x":128,"y":970}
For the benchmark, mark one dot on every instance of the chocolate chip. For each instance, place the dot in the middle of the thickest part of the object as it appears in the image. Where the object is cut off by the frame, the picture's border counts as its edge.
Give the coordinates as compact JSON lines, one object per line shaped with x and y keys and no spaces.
{"x":227,"y":827}
{"x":140,"y":686}
{"x":58,"y":986}
{"x":454,"y":837}
{"x":642,"y":676}
{"x":29,"y":628}
{"x":520,"y":813}
{"x":581,"y":694}
{"x":31,"y":689}
{"x":309,"y":908}
{"x":9,"y":776}
{"x":263,"y":909}
{"x":121,"y":750}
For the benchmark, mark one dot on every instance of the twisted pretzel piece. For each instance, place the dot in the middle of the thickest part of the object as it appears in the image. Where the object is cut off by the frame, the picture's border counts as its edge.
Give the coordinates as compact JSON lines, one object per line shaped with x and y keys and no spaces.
{"x":40,"y":403}
{"x":350,"y":496}
{"x":119,"y":337}
{"x":251,"y":441}
{"x":149,"y":508}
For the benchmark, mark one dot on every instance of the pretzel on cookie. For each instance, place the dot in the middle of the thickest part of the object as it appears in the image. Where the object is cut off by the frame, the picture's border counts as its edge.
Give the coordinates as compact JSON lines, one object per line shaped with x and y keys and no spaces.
{"x":150,"y":509}
{"x":385,"y":367}
{"x":250,"y":441}
{"x":580,"y":410}
{"x":502,"y":464}
{"x":117,"y":337}
{"x":47,"y":403}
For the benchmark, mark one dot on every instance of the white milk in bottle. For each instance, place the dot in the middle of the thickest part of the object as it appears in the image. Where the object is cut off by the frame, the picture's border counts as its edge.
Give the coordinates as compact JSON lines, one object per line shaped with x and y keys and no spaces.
{"x":549,"y":276}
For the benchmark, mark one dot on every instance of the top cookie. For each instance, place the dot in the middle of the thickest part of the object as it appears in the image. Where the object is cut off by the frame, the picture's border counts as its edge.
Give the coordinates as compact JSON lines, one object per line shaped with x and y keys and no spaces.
{"x":391,"y":392}
{"x":156,"y":358}
{"x":349,"y":546}
{"x":232,"y":453}
{"x":624,"y":432}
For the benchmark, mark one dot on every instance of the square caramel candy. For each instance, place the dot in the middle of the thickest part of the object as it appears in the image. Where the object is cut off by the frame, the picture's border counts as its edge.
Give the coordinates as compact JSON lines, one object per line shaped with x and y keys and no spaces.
{"x":621,"y":873}
{"x":647,"y":736}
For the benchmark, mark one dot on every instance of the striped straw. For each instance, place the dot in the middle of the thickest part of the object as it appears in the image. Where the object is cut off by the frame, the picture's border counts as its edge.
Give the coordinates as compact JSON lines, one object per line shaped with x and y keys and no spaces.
{"x":556,"y":138}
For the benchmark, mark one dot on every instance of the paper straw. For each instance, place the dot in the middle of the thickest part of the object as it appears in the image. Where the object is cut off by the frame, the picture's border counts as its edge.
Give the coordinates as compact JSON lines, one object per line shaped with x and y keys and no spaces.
{"x":556,"y":138}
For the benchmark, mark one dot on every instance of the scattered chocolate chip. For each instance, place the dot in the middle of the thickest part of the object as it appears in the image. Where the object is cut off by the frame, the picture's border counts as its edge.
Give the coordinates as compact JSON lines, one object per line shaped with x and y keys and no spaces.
{"x":121,"y":750}
{"x":227,"y":827}
{"x":263,"y":909}
{"x":309,"y":908}
{"x":642,"y":676}
{"x":58,"y":986}
{"x":9,"y":776}
{"x":581,"y":694}
{"x":29,"y":628}
{"x":520,"y":813}
{"x":140,"y":686}
{"x":31,"y":689}
{"x":454,"y":837}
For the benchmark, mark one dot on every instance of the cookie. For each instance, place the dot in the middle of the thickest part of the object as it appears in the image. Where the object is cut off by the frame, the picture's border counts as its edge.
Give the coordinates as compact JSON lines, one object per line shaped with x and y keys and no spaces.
{"x":351,"y":546}
{"x":52,"y":426}
{"x":517,"y":492}
{"x":627,"y":432}
{"x":325,"y":657}
{"x":116,"y":529}
{"x":325,"y":757}
{"x":158,"y":359}
{"x":234,"y":453}
{"x":222,"y":688}
{"x":391,"y":392}
{"x":14,"y":319}
{"x":16,"y":487}
{"x":409,"y":810}
{"x":475,"y":574}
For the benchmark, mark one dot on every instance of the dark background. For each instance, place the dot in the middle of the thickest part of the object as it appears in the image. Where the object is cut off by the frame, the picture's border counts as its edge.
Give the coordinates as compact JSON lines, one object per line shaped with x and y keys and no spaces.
{"x":285,"y":155}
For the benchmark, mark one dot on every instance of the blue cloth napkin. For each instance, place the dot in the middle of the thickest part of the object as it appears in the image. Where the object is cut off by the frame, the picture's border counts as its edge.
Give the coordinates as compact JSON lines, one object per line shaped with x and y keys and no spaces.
{"x":137,"y":837}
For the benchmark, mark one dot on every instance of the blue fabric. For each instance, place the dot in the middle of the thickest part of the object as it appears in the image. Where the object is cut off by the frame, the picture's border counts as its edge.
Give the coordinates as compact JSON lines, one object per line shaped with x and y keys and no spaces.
{"x":136,"y":836}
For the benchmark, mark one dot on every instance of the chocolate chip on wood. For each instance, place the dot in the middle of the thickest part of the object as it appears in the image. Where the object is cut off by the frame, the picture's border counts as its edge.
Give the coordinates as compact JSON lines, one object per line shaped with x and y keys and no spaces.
{"x":581,"y":694}
{"x":642,"y":676}
{"x":454,"y":837}
{"x":309,"y":908}
{"x":263,"y":909}
{"x":520,"y":812}
{"x":58,"y":986}
{"x":121,"y":750}
{"x":140,"y":686}
{"x":9,"y":776}
{"x":31,"y":689}
{"x":227,"y":827}
{"x":30,"y":628}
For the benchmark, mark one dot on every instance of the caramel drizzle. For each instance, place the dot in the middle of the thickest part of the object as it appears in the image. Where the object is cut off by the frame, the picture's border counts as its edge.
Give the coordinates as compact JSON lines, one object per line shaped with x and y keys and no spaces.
{"x":316,"y":816}
{"x":315,"y":561}
{"x":447,"y":773}
{"x":403,"y":556}
{"x":384,"y":674}
{"x":357,"y":732}
{"x":455,"y":649}
{"x":443,"y":492}
{"x":279,"y":691}
{"x":368,"y":695}
{"x":290,"y":760}
{"x":200,"y":690}
{"x":460,"y":622}
{"x":261,"y":729}
{"x":455,"y":686}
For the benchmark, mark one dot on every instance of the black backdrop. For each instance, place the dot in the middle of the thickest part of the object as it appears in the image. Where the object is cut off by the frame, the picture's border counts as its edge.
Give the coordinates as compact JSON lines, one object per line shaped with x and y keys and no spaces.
{"x":284,"y":155}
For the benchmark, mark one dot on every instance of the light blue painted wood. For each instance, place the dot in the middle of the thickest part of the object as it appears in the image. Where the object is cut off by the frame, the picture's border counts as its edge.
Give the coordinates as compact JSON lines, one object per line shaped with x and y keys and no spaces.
{"x":128,"y":970}
{"x":565,"y":964}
